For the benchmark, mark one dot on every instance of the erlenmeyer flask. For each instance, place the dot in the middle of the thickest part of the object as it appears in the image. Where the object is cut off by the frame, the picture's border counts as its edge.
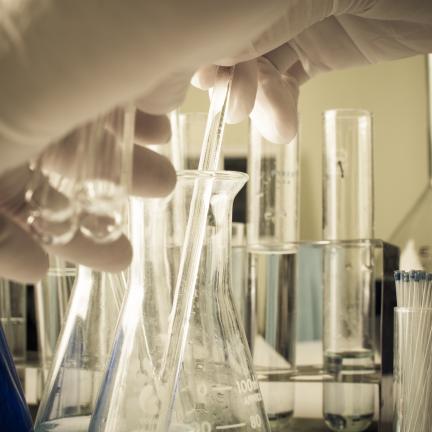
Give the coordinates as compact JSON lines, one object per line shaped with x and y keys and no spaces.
{"x":414,"y":234}
{"x":130,"y":393}
{"x":82,"y":352}
{"x":216,"y":389}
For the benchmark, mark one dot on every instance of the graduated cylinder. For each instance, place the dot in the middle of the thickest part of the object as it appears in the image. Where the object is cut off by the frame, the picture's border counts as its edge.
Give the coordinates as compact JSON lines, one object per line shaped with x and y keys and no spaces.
{"x":348,"y":268}
{"x":272,"y":231}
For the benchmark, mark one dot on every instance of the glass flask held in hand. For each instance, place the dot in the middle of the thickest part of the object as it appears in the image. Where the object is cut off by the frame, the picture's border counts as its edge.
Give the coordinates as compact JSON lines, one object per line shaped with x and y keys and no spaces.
{"x":82,"y":352}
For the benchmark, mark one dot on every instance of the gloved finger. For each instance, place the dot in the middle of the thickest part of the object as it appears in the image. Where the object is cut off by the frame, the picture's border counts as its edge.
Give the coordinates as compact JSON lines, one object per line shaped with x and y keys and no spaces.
{"x":243,"y":88}
{"x":243,"y":91}
{"x":110,"y":257}
{"x":21,"y":257}
{"x":204,"y":78}
{"x":148,"y":128}
{"x":113,"y":256}
{"x":167,"y":95}
{"x":151,"y":129}
{"x":152,"y":174}
{"x":275,"y":111}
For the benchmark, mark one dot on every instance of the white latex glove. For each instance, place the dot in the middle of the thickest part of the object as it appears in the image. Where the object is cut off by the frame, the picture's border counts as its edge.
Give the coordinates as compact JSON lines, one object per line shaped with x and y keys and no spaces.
{"x":305,"y":42}
{"x":62,"y":62}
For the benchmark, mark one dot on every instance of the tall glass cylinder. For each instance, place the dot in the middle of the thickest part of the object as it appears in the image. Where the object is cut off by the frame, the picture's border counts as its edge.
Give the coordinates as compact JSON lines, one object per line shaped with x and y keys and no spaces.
{"x":192,"y":127}
{"x":239,"y":270}
{"x":348,"y":269}
{"x":272,"y":231}
{"x":13,"y":317}
{"x":348,"y":211}
{"x":52,"y":295}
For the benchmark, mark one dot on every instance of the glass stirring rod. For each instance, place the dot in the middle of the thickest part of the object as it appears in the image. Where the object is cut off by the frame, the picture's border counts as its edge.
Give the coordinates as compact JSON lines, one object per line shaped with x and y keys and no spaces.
{"x":193,"y":243}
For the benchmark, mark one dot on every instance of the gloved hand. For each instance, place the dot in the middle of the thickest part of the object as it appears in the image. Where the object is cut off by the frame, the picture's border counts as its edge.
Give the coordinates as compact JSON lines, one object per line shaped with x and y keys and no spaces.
{"x":305,"y":42}
{"x":63,"y":62}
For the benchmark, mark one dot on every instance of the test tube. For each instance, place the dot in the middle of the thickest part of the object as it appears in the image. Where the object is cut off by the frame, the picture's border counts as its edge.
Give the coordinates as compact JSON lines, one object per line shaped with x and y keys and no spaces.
{"x":239,"y":272}
{"x":13,"y":317}
{"x":192,"y":126}
{"x":51,"y":301}
{"x":272,"y":233}
{"x":348,"y":269}
{"x":102,"y":189}
{"x":173,"y":150}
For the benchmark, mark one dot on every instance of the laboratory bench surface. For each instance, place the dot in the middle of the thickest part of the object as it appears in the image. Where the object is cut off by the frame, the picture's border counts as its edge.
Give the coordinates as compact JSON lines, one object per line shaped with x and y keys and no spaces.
{"x":31,"y":377}
{"x":296,"y":425}
{"x":312,"y":425}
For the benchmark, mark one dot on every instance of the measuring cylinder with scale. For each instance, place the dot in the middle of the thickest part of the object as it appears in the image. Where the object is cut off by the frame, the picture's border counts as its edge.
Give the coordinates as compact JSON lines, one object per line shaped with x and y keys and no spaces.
{"x":272,"y":243}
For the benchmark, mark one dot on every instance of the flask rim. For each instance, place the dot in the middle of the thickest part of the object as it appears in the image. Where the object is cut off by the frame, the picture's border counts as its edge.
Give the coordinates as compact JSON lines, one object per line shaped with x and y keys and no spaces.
{"x":217,"y":175}
{"x":346,"y":113}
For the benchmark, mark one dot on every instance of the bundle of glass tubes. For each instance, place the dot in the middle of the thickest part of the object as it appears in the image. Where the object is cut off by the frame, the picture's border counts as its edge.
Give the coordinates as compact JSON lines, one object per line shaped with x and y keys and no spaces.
{"x":413,"y":351}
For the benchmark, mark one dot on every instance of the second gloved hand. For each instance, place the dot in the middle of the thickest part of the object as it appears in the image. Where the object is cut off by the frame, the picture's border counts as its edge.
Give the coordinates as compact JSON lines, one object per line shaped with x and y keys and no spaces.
{"x":64,"y":62}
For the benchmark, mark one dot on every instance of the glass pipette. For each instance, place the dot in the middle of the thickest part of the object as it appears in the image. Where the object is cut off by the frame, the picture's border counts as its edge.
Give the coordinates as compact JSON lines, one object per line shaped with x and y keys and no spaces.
{"x":193,"y":243}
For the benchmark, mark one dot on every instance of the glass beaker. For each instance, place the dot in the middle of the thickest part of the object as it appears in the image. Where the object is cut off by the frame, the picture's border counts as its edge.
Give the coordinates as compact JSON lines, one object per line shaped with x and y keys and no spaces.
{"x":272,"y":231}
{"x":82,"y":352}
{"x":51,"y":296}
{"x":216,"y":389}
{"x":348,"y":269}
{"x":13,"y":317}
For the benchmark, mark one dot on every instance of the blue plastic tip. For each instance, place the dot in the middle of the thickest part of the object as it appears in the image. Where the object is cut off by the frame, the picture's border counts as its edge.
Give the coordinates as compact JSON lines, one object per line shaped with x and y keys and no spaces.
{"x":397,"y":275}
{"x":405,"y":276}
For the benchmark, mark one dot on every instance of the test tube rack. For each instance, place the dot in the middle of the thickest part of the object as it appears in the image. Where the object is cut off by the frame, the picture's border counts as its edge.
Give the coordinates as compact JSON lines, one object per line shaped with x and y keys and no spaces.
{"x":386,"y":261}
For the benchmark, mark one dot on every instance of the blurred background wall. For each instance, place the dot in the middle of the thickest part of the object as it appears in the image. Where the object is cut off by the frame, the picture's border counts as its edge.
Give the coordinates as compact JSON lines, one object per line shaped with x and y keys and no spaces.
{"x":396,"y":94}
